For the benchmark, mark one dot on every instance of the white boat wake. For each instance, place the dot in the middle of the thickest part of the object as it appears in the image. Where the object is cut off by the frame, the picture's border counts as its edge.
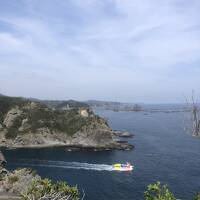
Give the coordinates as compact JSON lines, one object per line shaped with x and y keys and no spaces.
{"x":65,"y":165}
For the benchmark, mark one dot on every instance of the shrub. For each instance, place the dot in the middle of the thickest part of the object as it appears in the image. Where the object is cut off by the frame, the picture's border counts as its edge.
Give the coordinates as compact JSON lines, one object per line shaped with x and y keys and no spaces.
{"x":7,"y":103}
{"x":46,"y":189}
{"x":34,"y":173}
{"x":12,"y":179}
{"x":158,"y":192}
{"x":12,"y":131}
{"x":197,"y":196}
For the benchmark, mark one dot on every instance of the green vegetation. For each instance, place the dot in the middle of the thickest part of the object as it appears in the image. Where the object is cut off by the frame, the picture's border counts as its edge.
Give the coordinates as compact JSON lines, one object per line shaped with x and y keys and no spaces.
{"x":13,"y":130}
{"x":63,"y":104}
{"x":197,"y":196}
{"x":68,"y":122}
{"x":157,"y":191}
{"x":46,"y":189}
{"x":37,"y":116}
{"x":12,"y":179}
{"x":34,"y":173}
{"x":6,"y":103}
{"x":72,"y":104}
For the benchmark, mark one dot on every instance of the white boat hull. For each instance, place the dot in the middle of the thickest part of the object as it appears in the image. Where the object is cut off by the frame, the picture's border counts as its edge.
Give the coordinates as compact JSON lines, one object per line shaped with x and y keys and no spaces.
{"x":123,"y":169}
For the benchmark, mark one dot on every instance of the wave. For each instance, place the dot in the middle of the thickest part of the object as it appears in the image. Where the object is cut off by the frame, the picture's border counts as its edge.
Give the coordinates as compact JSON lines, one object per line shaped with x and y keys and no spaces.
{"x":65,"y":165}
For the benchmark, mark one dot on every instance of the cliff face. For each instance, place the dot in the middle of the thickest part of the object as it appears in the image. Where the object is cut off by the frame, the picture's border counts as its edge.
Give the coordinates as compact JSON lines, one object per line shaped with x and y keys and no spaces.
{"x":24,"y":123}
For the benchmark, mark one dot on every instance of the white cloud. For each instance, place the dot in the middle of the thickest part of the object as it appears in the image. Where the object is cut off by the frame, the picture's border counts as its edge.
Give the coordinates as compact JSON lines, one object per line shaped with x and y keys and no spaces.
{"x":118,"y":45}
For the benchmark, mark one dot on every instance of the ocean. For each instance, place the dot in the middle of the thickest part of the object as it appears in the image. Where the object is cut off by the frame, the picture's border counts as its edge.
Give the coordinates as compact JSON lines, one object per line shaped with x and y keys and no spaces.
{"x":163,"y":152}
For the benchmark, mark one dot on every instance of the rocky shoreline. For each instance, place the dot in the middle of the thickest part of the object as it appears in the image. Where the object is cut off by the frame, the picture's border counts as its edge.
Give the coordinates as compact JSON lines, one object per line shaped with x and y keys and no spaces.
{"x":70,"y":145}
{"x":123,"y":134}
{"x":125,"y":147}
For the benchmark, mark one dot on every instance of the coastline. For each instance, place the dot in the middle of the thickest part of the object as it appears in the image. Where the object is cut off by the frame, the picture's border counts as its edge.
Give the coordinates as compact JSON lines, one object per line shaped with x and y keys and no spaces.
{"x":114,"y":146}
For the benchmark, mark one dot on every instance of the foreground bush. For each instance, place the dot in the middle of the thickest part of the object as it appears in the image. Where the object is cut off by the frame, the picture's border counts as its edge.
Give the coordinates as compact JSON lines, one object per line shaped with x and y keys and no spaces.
{"x":158,"y":192}
{"x":45,"y":189}
{"x":197,"y":197}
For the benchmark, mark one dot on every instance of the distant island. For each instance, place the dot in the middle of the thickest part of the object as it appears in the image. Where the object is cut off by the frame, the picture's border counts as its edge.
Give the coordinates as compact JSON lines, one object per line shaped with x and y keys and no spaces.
{"x":115,"y":106}
{"x":137,"y":107}
{"x":36,"y":123}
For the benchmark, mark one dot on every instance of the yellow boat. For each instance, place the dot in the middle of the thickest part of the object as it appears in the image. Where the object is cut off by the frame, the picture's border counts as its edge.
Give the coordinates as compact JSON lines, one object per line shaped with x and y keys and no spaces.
{"x":123,"y":167}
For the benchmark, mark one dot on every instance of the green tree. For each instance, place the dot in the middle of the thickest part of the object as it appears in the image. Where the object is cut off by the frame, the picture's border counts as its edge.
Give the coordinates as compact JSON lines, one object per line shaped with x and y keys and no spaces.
{"x":158,"y":192}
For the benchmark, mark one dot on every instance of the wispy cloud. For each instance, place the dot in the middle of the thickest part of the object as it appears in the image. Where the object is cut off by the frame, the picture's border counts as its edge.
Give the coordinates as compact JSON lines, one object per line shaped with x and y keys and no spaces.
{"x":126,"y":50}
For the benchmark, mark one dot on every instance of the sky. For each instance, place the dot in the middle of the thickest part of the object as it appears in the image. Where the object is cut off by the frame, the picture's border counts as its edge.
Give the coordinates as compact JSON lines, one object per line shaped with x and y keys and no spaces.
{"x":121,"y":50}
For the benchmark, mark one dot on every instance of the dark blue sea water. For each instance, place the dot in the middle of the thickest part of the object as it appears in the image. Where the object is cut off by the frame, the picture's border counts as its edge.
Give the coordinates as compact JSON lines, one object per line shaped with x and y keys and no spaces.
{"x":163,"y":151}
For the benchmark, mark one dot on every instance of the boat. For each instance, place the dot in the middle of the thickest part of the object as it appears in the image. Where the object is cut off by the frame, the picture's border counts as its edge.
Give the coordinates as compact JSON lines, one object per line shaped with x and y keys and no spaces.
{"x":122,"y":167}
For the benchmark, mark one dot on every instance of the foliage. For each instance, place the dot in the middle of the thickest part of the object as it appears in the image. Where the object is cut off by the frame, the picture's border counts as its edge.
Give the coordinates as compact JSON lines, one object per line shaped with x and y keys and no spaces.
{"x":6,"y":103}
{"x":46,"y":189}
{"x":12,"y":179}
{"x":158,"y":192}
{"x":34,"y":173}
{"x":68,"y":122}
{"x":13,"y":130}
{"x":197,"y":196}
{"x":72,"y":104}
{"x":71,"y":122}
{"x":40,"y":116}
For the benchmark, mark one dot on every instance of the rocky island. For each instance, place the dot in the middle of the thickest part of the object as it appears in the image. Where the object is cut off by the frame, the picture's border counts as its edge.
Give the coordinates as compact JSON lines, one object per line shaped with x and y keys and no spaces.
{"x":32,"y":124}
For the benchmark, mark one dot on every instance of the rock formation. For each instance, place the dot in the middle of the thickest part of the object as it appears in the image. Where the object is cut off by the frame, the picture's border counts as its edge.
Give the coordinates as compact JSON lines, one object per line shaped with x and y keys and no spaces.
{"x":32,"y":124}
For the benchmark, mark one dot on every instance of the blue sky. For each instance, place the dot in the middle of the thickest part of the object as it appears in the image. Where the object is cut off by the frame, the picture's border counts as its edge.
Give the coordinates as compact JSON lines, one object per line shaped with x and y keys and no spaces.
{"x":121,"y":50}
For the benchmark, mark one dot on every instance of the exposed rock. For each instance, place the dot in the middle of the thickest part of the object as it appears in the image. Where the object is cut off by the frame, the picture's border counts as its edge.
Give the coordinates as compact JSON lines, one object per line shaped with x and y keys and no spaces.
{"x":26,"y":184}
{"x":25,"y":125}
{"x":84,"y":112}
{"x":2,"y":138}
{"x":2,"y":160}
{"x":123,"y":134}
{"x":3,"y":172}
{"x":11,"y":116}
{"x":72,"y":148}
{"x":34,"y":105}
{"x":99,"y":138}
{"x":13,"y":183}
{"x":1,"y":127}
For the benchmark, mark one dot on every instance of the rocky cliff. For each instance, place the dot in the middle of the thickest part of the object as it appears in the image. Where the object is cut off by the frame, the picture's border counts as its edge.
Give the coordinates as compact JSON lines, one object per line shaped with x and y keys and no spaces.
{"x":24,"y":123}
{"x":25,"y":184}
